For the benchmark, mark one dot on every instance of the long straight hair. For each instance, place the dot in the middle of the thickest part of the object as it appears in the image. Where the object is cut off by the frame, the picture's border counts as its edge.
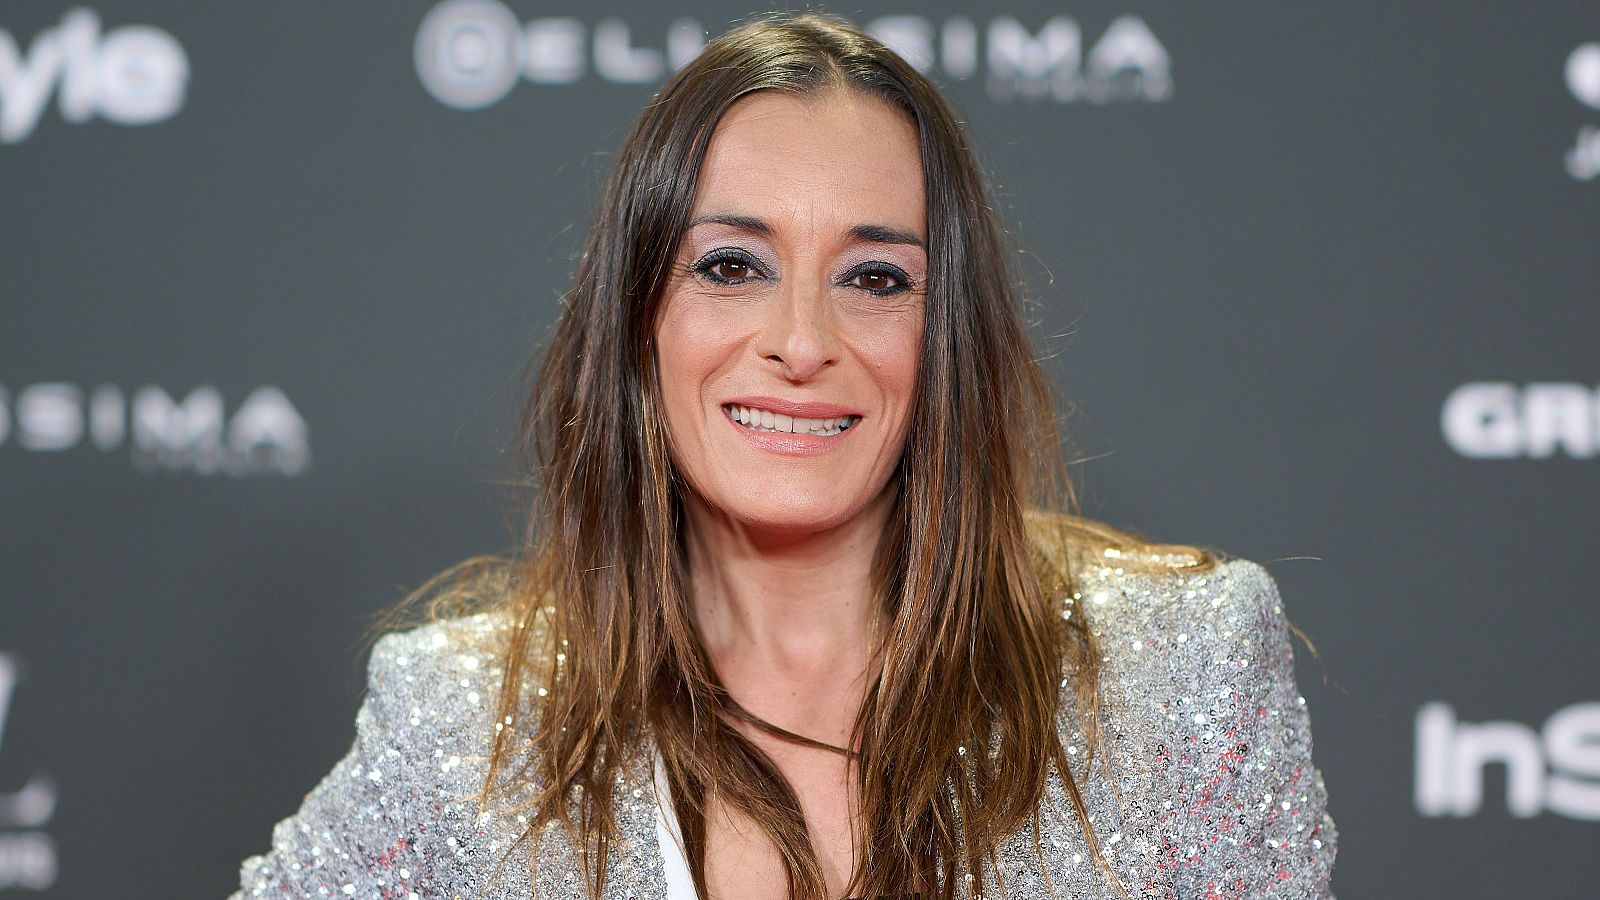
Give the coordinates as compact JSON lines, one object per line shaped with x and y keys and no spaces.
{"x":958,"y":732}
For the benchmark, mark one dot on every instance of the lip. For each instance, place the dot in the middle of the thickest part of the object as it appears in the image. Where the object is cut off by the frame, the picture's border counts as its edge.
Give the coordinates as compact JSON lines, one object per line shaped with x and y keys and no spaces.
{"x":806,"y":410}
{"x":787,"y":444}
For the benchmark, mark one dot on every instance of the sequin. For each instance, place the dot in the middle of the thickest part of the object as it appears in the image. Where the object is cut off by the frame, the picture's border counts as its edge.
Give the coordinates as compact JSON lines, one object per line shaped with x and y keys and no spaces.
{"x":1209,"y":790}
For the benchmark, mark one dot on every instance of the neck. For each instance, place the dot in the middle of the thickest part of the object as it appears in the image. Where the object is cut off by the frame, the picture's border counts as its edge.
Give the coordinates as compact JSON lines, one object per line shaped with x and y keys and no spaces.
{"x":786,"y":604}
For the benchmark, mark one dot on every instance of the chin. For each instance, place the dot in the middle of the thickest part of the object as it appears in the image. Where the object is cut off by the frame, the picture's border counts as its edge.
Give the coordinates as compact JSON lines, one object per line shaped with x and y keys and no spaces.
{"x":794,"y":509}
{"x":801,"y":520}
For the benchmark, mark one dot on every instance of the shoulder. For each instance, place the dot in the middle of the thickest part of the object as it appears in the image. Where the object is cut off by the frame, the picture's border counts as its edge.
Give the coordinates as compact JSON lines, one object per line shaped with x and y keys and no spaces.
{"x":1172,"y":625}
{"x":435,"y":690}
{"x":452,"y":666}
{"x":1203,"y":714}
{"x":438,"y":683}
{"x":404,"y":800}
{"x":1126,"y":586}
{"x":1171,"y":635}
{"x":1232,"y":600}
{"x":447,"y":655}
{"x":1202,"y":702}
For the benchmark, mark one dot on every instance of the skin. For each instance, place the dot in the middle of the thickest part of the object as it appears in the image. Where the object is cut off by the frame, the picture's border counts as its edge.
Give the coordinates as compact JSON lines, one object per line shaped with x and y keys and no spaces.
{"x":781,"y":545}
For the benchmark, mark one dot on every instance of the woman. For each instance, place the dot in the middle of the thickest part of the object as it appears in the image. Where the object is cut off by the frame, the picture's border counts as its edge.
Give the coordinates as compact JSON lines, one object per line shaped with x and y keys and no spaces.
{"x":793,"y":620}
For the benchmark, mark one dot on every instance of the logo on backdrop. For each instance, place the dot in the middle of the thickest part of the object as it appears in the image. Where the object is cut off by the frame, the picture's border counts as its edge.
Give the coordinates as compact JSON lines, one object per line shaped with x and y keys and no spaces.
{"x":1555,"y":769}
{"x":130,"y":75}
{"x":1499,"y":420}
{"x":27,"y":854}
{"x":471,"y":53}
{"x":265,"y":435}
{"x":1583,"y":79}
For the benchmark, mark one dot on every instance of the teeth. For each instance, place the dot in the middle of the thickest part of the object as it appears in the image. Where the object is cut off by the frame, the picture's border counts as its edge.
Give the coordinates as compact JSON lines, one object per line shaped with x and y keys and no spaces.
{"x":767,"y":420}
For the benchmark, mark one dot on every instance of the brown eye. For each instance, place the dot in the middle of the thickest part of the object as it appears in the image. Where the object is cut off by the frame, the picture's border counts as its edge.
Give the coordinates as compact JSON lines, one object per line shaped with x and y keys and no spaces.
{"x":727,"y":267}
{"x":876,"y":281}
{"x":880,"y":279}
{"x":732,"y":269}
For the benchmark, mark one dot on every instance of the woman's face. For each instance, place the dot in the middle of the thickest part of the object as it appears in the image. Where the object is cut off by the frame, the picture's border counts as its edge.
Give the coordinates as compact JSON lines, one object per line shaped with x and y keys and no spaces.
{"x":789,"y":333}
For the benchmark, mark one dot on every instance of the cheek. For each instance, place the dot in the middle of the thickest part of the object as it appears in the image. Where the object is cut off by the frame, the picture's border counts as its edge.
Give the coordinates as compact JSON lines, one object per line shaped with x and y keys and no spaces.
{"x":893,"y":352}
{"x":701,"y":327}
{"x":692,"y":346}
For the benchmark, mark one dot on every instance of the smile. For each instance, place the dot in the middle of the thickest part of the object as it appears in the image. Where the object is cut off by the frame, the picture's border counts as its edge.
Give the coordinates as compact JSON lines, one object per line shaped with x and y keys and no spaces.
{"x":766,"y":420}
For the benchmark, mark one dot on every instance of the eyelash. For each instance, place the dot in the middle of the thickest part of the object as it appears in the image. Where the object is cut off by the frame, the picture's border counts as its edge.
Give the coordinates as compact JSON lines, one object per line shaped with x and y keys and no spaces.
{"x":707,"y":264}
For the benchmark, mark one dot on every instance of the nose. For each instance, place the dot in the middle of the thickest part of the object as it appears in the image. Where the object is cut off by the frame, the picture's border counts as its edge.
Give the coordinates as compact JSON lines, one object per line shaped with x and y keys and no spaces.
{"x":798,"y":335}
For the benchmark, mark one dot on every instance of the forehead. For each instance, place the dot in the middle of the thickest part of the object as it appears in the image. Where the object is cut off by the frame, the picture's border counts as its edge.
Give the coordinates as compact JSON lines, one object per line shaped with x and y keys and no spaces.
{"x":837,"y":152}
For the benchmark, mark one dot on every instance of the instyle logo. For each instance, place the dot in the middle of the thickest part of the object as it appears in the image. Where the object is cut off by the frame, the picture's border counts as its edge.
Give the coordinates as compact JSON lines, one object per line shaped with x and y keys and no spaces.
{"x":130,"y":75}
{"x":471,"y":53}
{"x":1583,"y":80}
{"x":27,"y":854}
{"x":265,"y":435}
{"x":1499,"y":420}
{"x":1555,"y":769}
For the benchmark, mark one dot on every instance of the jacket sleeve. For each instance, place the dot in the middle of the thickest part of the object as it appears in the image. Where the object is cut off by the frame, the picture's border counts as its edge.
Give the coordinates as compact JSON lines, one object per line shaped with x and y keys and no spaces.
{"x":369,"y":828}
{"x":1258,"y":823}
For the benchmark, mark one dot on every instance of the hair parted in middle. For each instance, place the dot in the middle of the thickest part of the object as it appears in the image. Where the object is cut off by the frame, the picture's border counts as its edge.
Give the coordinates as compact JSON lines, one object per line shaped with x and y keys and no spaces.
{"x":958,"y":732}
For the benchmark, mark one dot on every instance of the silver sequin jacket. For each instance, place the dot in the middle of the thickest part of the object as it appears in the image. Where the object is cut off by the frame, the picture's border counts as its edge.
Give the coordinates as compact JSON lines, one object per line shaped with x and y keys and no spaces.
{"x":1209,"y":740}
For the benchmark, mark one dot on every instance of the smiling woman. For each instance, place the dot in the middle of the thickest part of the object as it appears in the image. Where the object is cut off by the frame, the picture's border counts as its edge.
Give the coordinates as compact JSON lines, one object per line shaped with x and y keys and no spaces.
{"x":785,"y":315}
{"x":788,"y":340}
{"x":802,"y":610}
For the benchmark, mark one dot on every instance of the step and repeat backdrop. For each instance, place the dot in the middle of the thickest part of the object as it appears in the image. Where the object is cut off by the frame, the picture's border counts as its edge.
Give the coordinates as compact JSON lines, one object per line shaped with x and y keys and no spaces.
{"x":1321,"y":281}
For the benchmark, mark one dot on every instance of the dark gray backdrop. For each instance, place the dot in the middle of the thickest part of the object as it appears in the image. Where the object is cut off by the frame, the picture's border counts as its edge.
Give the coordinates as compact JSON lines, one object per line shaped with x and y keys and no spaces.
{"x":1330,"y":287}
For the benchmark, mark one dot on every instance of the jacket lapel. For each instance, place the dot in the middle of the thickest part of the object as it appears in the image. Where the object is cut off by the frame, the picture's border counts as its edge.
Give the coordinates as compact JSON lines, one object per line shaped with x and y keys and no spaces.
{"x":635,"y":864}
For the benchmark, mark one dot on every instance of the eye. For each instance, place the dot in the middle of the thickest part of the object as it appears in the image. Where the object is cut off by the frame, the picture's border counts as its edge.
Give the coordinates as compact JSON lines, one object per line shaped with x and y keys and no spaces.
{"x":729,"y":266}
{"x":881,"y":279}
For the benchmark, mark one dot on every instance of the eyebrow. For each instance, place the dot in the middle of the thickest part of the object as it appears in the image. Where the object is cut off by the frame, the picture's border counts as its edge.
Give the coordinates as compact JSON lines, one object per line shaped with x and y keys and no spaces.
{"x":876,"y":234}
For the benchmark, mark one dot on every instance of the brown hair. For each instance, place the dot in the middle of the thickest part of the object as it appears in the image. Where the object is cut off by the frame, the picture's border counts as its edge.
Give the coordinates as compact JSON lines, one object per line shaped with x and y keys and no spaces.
{"x":971,"y":584}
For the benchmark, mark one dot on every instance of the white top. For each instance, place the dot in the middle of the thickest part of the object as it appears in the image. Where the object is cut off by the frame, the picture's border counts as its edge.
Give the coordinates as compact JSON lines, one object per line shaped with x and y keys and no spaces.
{"x":680,"y":884}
